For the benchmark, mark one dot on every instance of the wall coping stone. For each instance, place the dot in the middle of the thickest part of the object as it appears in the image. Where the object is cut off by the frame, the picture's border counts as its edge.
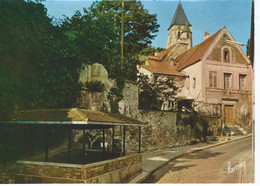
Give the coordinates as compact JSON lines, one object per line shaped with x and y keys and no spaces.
{"x":76,"y":165}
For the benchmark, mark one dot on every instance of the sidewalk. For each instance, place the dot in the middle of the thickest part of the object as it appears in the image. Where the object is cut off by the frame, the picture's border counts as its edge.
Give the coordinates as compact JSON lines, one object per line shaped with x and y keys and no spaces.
{"x":152,"y":161}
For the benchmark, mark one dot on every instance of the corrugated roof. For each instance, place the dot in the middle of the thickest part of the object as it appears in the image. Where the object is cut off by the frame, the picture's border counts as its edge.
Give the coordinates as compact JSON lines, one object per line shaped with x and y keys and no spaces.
{"x":179,"y":17}
{"x":70,"y":116}
{"x":161,"y":68}
{"x":195,"y":54}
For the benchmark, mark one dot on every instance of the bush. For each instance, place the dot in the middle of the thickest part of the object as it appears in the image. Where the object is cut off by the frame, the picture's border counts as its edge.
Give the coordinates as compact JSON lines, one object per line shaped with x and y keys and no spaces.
{"x":116,"y":92}
{"x":95,"y":86}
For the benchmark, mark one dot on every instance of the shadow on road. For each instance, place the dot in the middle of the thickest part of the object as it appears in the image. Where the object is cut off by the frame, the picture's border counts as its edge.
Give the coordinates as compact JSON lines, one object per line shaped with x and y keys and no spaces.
{"x":203,"y":155}
{"x":177,"y":164}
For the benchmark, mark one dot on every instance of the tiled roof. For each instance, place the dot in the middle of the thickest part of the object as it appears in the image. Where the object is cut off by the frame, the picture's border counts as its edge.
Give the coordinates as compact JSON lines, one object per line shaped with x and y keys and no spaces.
{"x":67,"y":116}
{"x":179,"y":17}
{"x":195,"y":54}
{"x":162,"y":54}
{"x":161,"y":68}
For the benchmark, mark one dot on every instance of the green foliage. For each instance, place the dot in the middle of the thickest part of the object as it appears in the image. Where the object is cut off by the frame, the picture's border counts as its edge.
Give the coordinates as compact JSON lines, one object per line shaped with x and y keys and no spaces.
{"x":149,"y":50}
{"x":39,"y":63}
{"x":120,"y":82}
{"x":116,"y":92}
{"x":98,"y":35}
{"x":95,"y":86}
{"x":114,"y":96}
{"x":199,"y":126}
{"x":151,"y":95}
{"x":18,"y":142}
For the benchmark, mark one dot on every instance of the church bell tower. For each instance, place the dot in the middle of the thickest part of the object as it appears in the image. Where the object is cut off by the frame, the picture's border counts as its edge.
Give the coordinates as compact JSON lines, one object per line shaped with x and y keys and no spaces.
{"x":180,"y":29}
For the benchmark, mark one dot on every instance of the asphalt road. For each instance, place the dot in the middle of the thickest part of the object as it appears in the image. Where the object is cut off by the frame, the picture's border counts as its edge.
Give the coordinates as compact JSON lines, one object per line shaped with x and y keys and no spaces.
{"x":229,"y":163}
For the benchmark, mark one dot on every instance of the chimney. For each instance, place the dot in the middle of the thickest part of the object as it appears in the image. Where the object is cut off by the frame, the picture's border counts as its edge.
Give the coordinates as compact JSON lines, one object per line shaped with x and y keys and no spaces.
{"x":206,"y":36}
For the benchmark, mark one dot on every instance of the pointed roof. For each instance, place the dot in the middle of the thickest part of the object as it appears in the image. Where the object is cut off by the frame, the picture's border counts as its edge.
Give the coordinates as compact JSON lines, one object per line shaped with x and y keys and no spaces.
{"x":186,"y":28}
{"x":179,"y":17}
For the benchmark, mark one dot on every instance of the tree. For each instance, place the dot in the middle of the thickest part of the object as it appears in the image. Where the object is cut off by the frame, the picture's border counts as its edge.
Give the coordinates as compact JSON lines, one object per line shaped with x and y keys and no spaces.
{"x":39,"y":65}
{"x":149,"y":50}
{"x":98,"y":35}
{"x":153,"y":94}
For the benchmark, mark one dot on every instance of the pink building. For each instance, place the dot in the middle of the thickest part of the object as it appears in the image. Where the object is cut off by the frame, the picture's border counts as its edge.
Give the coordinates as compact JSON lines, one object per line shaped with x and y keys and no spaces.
{"x":214,"y":76}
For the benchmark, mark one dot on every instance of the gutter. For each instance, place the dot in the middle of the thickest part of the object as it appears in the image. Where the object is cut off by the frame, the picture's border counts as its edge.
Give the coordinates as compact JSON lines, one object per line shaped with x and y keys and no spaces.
{"x":170,"y":74}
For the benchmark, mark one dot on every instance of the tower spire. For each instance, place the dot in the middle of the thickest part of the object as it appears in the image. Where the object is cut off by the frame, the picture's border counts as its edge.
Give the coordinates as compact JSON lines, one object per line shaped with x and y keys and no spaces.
{"x":179,"y":17}
{"x":180,"y":29}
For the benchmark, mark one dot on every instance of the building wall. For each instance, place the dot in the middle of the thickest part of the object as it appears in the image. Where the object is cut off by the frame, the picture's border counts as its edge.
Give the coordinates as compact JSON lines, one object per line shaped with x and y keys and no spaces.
{"x":243,"y":103}
{"x":119,"y":170}
{"x":194,"y":71}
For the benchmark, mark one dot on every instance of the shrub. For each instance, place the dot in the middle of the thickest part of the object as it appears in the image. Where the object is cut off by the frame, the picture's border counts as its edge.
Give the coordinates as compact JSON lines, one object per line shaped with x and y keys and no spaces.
{"x":95,"y":86}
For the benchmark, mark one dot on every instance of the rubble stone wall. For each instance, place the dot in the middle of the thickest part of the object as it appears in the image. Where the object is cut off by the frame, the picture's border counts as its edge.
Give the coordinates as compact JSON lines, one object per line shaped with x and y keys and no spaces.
{"x":118,"y":170}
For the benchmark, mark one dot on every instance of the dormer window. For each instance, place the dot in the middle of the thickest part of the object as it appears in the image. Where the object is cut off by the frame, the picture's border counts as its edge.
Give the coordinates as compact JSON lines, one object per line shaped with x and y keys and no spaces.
{"x":226,"y":55}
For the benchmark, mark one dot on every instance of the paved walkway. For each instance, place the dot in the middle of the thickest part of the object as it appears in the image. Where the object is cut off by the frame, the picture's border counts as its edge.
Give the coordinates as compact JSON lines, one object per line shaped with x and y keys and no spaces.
{"x":152,"y":161}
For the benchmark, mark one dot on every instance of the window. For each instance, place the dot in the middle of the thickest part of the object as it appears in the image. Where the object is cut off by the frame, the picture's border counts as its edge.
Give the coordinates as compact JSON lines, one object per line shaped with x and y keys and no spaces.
{"x":227,"y":80}
{"x":242,"y":82}
{"x":179,"y":34}
{"x":194,"y":82}
{"x":226,"y":55}
{"x":213,"y":79}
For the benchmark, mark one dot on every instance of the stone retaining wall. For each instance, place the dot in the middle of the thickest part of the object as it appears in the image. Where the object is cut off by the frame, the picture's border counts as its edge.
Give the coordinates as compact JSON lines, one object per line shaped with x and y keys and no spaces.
{"x":118,"y":170}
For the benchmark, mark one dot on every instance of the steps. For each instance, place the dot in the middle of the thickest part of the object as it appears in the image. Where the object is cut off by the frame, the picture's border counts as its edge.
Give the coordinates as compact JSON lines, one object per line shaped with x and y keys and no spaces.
{"x":236,"y":130}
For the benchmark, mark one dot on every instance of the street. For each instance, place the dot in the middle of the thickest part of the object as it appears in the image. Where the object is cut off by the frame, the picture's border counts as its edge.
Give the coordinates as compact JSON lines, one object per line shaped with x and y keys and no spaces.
{"x":229,"y":163}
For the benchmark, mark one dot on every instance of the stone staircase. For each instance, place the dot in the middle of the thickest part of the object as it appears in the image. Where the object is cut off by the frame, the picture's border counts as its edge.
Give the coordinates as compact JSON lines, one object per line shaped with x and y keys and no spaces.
{"x":236,"y":131}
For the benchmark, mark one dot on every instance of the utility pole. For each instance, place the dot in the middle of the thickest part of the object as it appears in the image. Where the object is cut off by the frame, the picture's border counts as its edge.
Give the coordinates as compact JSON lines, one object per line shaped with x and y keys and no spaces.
{"x":122,"y":35}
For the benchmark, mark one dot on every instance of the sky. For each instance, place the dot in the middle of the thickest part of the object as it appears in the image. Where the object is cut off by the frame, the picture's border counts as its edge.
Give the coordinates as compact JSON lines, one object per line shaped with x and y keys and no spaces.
{"x":204,"y":15}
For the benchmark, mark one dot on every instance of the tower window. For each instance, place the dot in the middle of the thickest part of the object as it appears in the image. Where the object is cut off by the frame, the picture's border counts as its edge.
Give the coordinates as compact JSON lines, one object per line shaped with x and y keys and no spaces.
{"x":179,"y":34}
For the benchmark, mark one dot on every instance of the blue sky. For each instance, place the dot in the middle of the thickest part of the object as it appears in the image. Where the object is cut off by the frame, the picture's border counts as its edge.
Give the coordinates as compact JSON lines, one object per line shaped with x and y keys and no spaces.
{"x":204,"y":15}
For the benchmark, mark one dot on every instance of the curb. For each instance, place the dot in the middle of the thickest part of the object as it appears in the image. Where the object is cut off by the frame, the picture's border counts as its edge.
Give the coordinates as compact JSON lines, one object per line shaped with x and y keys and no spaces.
{"x":144,"y":175}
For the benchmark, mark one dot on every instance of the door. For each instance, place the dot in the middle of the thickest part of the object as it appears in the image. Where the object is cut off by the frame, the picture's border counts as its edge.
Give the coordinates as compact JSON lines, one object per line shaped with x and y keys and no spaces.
{"x":229,"y":115}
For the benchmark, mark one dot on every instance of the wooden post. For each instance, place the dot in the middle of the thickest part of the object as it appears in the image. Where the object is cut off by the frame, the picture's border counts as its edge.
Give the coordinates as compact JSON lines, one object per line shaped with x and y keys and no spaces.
{"x":103,"y":144}
{"x":113,"y":140}
{"x":124,"y":141}
{"x":46,"y":143}
{"x":139,"y":150}
{"x":122,"y":36}
{"x":84,"y":150}
{"x":69,"y":145}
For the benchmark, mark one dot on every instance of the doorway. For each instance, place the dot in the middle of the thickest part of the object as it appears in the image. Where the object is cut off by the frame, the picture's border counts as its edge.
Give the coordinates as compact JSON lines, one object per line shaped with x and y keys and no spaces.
{"x":229,"y":115}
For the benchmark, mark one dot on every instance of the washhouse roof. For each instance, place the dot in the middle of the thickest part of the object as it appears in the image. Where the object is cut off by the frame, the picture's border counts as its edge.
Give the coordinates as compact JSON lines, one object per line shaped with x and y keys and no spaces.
{"x":73,"y":116}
